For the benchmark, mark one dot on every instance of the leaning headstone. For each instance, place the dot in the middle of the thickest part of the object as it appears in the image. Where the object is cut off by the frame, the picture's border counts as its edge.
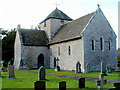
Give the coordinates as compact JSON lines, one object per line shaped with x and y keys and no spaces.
{"x":103,"y":68}
{"x":11,"y":74}
{"x":57,"y":68}
{"x":109,"y":69}
{"x":41,"y":73}
{"x":81,"y":83}
{"x":62,"y":85}
{"x":39,"y":85}
{"x":87,"y":67}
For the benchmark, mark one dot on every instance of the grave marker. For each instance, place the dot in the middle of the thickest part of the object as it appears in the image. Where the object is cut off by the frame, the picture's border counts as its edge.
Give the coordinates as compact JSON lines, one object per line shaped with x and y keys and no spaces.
{"x":11,"y":74}
{"x":39,"y":85}
{"x":103,"y":68}
{"x":62,"y":85}
{"x":81,"y":83}
{"x":41,"y":73}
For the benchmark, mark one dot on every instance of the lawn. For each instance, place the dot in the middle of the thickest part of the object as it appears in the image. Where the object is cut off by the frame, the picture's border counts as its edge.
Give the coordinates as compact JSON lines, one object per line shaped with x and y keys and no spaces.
{"x":114,"y":75}
{"x":26,"y":80}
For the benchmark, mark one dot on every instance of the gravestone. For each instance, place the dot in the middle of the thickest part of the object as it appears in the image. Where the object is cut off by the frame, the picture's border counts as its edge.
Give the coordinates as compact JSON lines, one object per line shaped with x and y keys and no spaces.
{"x":103,"y":68}
{"x":57,"y":68}
{"x":116,"y":86}
{"x":109,"y":69}
{"x":41,"y":73}
{"x":11,"y":74}
{"x":87,"y":67}
{"x":39,"y":85}
{"x":81,"y":83}
{"x":62,"y":85}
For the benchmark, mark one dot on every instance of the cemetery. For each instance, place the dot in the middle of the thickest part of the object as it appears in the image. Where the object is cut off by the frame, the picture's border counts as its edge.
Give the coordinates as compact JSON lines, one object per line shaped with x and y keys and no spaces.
{"x":30,"y":78}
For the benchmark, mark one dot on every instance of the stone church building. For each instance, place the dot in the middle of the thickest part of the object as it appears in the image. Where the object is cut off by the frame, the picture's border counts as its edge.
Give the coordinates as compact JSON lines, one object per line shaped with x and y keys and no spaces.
{"x":71,"y":44}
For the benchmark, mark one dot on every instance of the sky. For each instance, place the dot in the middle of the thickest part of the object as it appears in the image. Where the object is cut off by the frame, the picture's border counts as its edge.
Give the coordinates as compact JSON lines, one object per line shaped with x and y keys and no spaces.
{"x":29,"y":13}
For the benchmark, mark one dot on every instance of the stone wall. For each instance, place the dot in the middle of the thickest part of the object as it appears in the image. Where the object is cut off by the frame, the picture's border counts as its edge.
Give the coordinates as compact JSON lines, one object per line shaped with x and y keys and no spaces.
{"x":29,"y":56}
{"x":51,"y":26}
{"x":66,"y":61}
{"x":97,"y":28}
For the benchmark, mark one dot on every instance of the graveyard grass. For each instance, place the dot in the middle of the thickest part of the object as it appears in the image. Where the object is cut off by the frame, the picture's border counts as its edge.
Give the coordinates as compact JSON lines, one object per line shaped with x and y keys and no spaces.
{"x":26,"y":80}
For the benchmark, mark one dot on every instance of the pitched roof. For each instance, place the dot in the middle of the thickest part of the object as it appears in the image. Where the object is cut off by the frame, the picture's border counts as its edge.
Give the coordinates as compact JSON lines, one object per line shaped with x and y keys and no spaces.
{"x":57,"y":14}
{"x":31,"y":37}
{"x":72,"y":30}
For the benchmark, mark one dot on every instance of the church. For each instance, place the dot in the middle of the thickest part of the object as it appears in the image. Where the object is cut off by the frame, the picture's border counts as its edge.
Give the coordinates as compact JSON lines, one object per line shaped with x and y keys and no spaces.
{"x":74,"y":45}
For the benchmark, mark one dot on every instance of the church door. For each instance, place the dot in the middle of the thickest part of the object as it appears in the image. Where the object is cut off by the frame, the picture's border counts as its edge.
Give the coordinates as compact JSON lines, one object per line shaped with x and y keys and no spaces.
{"x":78,"y":67}
{"x":40,"y":60}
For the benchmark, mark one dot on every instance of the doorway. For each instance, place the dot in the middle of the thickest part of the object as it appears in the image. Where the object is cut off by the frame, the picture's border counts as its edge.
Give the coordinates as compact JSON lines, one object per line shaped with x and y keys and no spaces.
{"x":40,"y":60}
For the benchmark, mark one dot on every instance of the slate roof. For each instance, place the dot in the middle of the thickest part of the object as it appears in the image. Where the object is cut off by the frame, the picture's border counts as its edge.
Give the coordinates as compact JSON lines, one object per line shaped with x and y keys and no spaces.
{"x":57,"y":14}
{"x":72,"y":30}
{"x":31,"y":37}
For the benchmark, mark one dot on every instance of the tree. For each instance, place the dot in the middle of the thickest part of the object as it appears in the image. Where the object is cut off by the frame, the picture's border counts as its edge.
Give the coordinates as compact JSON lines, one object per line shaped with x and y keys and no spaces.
{"x":8,"y":47}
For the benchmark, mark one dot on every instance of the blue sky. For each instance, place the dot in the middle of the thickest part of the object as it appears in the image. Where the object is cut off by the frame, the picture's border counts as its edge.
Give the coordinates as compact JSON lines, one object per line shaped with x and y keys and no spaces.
{"x":31,"y":12}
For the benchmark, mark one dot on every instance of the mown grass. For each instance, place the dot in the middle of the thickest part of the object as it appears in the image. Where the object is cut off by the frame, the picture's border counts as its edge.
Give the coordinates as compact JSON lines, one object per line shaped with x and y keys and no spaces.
{"x":26,"y":80}
{"x":114,"y":75}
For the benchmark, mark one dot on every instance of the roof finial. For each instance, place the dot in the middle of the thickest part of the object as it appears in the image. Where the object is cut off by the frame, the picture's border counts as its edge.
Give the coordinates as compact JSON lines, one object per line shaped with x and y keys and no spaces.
{"x":56,"y":4}
{"x":98,"y":5}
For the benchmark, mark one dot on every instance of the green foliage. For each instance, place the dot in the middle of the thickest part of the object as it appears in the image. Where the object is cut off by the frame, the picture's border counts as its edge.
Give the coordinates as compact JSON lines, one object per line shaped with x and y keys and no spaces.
{"x":8,"y":47}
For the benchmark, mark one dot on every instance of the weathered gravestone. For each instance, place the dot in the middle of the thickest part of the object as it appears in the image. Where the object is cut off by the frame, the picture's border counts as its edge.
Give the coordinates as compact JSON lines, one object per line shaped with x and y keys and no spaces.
{"x":11,"y":74}
{"x":41,"y":73}
{"x":39,"y":85}
{"x":57,"y":68}
{"x":116,"y":86}
{"x":109,"y":69}
{"x":103,"y":68}
{"x":87,"y":67}
{"x":62,"y":85}
{"x":81,"y":83}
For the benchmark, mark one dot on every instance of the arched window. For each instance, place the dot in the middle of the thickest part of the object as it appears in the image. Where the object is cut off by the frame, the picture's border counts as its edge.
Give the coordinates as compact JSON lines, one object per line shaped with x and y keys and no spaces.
{"x":101,"y":43}
{"x":59,"y":51}
{"x":93,"y":44}
{"x":69,"y":50}
{"x":109,"y":44}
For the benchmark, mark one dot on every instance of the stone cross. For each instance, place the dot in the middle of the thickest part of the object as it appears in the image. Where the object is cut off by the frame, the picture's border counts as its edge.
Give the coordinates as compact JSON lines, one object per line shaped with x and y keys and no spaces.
{"x":41,"y":73}
{"x":109,"y":70}
{"x":101,"y":82}
{"x":103,"y":68}
{"x":11,"y":74}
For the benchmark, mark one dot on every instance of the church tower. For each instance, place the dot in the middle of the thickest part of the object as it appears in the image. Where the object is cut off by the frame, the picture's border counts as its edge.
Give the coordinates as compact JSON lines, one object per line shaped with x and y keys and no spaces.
{"x":52,"y":23}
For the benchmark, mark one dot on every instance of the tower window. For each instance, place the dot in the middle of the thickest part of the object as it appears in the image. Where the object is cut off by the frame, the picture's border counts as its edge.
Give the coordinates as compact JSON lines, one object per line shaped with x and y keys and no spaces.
{"x":69,"y":50}
{"x":44,"y":24}
{"x":93,"y":44}
{"x":101,"y":43}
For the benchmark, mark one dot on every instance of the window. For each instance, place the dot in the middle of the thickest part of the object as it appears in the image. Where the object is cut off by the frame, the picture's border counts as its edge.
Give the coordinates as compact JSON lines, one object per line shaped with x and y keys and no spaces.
{"x":109,"y":44}
{"x":59,"y":51}
{"x":69,"y":50}
{"x":44,"y":24}
{"x":101,"y":43}
{"x":93,"y":44}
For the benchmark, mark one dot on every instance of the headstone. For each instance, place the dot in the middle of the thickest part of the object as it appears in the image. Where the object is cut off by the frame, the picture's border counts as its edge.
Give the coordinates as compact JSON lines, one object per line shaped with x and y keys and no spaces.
{"x":39,"y":85}
{"x":81,"y":83}
{"x":103,"y":68}
{"x":87,"y":67}
{"x":41,"y":73}
{"x":62,"y":85}
{"x":116,"y":86}
{"x":109,"y":69}
{"x":57,"y":68}
{"x":11,"y":74}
